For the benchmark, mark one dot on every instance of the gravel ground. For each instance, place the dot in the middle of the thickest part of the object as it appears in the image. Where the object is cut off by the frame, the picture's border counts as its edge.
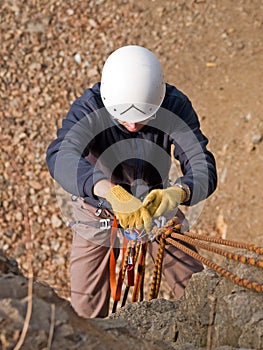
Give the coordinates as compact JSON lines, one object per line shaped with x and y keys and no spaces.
{"x":52,"y":50}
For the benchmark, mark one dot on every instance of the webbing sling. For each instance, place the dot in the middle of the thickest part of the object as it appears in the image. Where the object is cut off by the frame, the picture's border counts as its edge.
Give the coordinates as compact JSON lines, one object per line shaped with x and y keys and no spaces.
{"x":113,"y":236}
{"x":131,"y":252}
{"x":116,"y":287}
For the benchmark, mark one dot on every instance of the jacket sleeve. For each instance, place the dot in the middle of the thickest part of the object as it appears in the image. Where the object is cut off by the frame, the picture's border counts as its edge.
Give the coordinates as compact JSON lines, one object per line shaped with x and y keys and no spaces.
{"x":66,"y":154}
{"x":197,"y":162}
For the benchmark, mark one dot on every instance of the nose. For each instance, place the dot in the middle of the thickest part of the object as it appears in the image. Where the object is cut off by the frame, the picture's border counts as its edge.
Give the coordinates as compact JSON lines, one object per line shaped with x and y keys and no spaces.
{"x":131,"y":126}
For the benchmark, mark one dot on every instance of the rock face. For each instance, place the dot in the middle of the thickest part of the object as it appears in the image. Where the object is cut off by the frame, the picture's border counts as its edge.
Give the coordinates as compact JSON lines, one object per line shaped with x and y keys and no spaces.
{"x":67,"y":331}
{"x":214,"y":313}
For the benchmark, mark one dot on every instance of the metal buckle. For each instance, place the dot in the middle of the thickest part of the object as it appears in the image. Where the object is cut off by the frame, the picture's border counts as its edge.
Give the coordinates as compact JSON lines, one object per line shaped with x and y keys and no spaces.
{"x":105,"y":224}
{"x":160,"y":221}
{"x":98,"y":211}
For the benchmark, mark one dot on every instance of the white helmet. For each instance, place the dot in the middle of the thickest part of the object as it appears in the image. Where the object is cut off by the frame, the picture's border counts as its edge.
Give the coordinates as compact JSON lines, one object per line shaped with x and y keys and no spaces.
{"x":132,"y":84}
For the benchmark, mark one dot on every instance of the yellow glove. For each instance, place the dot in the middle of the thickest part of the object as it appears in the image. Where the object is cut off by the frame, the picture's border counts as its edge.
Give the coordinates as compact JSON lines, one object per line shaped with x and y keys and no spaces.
{"x":128,"y":209}
{"x":158,"y":202}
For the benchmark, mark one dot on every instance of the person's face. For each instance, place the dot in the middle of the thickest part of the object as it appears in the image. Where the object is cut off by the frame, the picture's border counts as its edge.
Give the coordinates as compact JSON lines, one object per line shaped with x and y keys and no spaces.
{"x":134,"y":127}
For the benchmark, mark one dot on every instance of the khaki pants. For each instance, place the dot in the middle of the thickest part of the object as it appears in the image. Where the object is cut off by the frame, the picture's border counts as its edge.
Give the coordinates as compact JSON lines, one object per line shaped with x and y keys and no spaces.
{"x":90,"y":253}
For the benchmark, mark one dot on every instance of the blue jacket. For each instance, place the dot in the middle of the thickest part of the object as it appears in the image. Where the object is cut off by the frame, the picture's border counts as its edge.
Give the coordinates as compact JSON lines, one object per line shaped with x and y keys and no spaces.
{"x":91,"y":146}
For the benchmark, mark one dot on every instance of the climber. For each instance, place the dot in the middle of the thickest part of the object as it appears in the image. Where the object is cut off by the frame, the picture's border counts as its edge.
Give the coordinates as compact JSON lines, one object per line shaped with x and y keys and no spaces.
{"x":113,"y":155}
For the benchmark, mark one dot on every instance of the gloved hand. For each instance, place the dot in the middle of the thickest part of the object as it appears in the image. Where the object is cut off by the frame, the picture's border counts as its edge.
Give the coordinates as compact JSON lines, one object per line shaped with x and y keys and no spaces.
{"x":128,"y":209}
{"x":158,"y":202}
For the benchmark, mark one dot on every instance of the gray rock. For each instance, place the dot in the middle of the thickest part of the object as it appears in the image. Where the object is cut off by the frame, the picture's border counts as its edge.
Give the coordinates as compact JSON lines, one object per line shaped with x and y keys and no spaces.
{"x":214,"y":313}
{"x":69,"y":330}
{"x":153,"y":320}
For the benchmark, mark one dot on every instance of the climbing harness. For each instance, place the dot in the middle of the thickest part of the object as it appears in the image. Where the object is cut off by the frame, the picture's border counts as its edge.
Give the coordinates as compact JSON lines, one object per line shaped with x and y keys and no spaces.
{"x":134,"y":257}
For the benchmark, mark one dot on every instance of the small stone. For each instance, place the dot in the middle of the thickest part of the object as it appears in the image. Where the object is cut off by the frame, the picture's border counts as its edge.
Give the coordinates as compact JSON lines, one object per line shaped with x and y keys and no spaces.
{"x":77,"y":58}
{"x":35,"y":228}
{"x":55,"y":221}
{"x":70,"y":12}
{"x":257,"y":138}
{"x":36,"y":185}
{"x":19,"y":216}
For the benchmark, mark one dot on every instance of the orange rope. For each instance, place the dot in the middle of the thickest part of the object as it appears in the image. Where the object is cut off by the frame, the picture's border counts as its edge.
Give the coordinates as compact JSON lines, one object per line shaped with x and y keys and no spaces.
{"x":229,"y":255}
{"x":219,"y":269}
{"x":116,"y":287}
{"x":241,"y":245}
{"x":157,"y":272}
{"x":170,"y":233}
{"x":113,"y":284}
{"x":140,"y":273}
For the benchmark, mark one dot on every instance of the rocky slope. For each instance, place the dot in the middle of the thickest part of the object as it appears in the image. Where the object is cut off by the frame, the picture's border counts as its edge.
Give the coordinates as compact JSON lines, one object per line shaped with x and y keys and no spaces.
{"x":214,"y":313}
{"x":52,"y":50}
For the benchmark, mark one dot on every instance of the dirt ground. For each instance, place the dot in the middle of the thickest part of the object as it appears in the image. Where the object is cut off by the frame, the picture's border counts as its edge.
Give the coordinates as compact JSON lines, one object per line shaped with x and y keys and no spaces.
{"x":52,"y":50}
